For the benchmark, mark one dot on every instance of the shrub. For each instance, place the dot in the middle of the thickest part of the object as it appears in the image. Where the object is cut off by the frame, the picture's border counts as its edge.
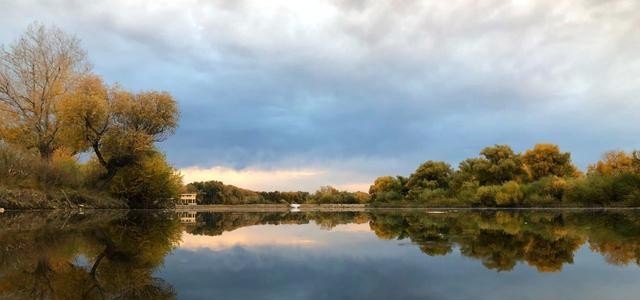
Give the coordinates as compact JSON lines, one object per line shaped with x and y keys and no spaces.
{"x":151,"y":184}
{"x":62,"y":171}
{"x":604,"y":190}
{"x":431,"y":195}
{"x":22,"y":168}
{"x":547,"y":190}
{"x":624,"y":186}
{"x":92,"y":172}
{"x":16,"y":167}
{"x":591,"y":189}
{"x":388,"y":196}
{"x":540,"y":200}
{"x":509,"y":194}
{"x":486,"y":195}
{"x":632,"y":199}
{"x":467,"y":191}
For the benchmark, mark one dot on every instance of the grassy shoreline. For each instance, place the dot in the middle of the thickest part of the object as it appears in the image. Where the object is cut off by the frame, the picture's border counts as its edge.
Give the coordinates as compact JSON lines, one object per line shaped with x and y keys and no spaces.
{"x":323,"y":208}
{"x":32,"y":199}
{"x":270,"y":207}
{"x":364,"y":207}
{"x":25,"y":199}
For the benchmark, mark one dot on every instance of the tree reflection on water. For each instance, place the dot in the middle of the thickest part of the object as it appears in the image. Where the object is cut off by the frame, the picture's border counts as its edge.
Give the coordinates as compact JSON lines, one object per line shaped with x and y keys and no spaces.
{"x":116,"y":254}
{"x":112,"y":255}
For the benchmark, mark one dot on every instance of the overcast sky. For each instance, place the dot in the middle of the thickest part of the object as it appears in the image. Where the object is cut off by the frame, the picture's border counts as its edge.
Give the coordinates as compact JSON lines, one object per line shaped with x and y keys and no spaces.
{"x":288,"y":95}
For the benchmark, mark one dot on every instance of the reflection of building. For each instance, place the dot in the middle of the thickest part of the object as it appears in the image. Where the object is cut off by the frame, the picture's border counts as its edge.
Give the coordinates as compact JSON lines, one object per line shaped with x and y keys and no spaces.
{"x":187,"y":199}
{"x":187,"y":216}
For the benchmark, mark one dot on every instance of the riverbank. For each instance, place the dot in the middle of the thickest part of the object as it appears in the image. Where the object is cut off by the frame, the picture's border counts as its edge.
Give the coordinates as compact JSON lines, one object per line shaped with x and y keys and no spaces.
{"x":270,"y":207}
{"x":449,"y":205}
{"x":30,"y":199}
{"x":369,"y":208}
{"x":61,"y":199}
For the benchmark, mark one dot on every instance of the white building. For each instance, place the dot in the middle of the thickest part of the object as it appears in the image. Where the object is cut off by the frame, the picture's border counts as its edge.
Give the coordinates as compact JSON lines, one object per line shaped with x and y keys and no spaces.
{"x":187,"y":217}
{"x":187,"y":199}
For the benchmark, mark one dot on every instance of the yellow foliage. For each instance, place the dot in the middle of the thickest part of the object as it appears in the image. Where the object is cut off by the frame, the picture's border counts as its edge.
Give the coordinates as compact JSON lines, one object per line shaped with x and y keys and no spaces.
{"x":84,"y":113}
{"x":614,"y":162}
{"x":509,"y":194}
{"x":36,"y":73}
{"x":546,"y":160}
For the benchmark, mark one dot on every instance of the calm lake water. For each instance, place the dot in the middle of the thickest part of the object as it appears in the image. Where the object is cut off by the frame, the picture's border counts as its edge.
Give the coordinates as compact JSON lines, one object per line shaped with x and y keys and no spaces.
{"x":320,"y":255}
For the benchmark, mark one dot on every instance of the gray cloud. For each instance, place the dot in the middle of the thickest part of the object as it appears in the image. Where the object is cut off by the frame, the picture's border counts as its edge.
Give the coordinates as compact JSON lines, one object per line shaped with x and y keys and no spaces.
{"x":387,"y":84}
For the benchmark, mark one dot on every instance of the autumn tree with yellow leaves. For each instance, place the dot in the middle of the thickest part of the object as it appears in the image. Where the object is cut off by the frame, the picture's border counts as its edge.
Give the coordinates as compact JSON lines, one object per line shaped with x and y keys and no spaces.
{"x":37,"y":72}
{"x":51,"y":103}
{"x":120,"y":127}
{"x":547,"y":160}
{"x":616,"y":162}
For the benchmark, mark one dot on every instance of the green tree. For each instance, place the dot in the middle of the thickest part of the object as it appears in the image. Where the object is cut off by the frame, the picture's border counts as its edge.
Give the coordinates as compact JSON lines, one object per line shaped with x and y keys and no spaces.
{"x":503,"y":164}
{"x":216,"y":192}
{"x":497,"y":164}
{"x":329,"y":194}
{"x":387,"y":188}
{"x":431,"y":175}
{"x":326,"y":194}
{"x":150,"y":183}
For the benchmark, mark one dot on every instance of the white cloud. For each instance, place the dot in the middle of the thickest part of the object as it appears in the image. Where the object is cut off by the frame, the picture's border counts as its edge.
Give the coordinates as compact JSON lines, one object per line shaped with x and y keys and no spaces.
{"x":276,"y":179}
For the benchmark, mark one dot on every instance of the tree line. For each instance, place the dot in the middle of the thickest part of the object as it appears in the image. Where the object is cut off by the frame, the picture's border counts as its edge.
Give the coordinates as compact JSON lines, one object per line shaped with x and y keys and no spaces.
{"x":500,"y":177}
{"x":543,"y":176}
{"x":216,"y":192}
{"x":53,"y":108}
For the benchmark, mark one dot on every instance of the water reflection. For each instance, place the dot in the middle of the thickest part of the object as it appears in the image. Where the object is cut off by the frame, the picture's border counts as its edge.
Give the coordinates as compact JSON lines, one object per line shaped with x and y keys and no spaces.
{"x":320,"y":255}
{"x":50,"y":255}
